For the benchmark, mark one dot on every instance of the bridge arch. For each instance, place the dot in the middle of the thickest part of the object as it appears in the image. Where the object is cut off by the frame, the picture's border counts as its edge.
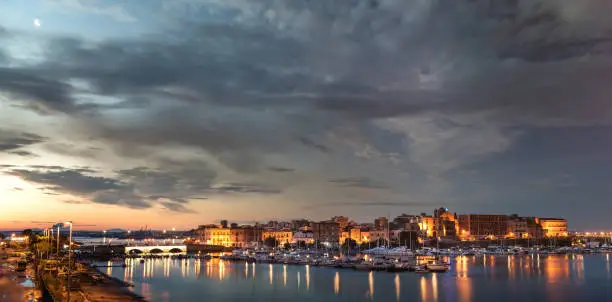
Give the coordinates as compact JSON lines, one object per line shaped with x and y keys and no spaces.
{"x":154,"y":249}
{"x":134,"y":252}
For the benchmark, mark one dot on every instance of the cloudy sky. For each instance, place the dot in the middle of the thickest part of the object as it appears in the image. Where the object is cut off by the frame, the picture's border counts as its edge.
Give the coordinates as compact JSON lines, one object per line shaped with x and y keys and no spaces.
{"x":173,"y":113}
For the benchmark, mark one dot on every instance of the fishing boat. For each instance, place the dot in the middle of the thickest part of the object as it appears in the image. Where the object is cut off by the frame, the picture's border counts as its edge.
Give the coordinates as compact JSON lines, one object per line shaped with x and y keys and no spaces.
{"x":420,"y":269}
{"x":438,"y":267}
{"x":364,"y":266}
{"x":397,"y":267}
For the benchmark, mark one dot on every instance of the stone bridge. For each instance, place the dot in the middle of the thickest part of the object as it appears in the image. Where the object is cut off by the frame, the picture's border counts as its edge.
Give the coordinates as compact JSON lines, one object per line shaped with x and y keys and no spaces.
{"x":155,"y":249}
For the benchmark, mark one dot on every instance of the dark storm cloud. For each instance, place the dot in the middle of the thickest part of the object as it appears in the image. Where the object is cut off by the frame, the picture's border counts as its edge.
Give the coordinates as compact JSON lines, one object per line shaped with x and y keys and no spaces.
{"x":245,"y":64}
{"x":173,"y":179}
{"x":311,"y":144}
{"x":121,"y":198}
{"x":246,"y":188}
{"x":46,"y":167}
{"x":51,"y":94}
{"x":368,"y":204}
{"x":72,"y":150}
{"x":280,"y":169}
{"x":443,"y":57}
{"x":69,"y":181}
{"x":450,"y":81}
{"x":129,"y":186}
{"x":177,"y":200}
{"x":12,"y":140}
{"x":358,"y":182}
{"x":23,"y":153}
{"x":177,"y":207}
{"x":4,"y":58}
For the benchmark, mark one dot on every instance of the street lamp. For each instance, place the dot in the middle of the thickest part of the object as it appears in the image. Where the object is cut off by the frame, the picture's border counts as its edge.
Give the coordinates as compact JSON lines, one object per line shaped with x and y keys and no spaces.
{"x":58,"y":238}
{"x":69,"y":223}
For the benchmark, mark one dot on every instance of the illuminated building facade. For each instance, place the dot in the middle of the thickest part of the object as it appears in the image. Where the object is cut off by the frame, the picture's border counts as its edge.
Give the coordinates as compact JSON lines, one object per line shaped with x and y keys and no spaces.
{"x":343,"y":236}
{"x":282,"y":236}
{"x":553,"y":227}
{"x":303,"y":236}
{"x":326,"y":232}
{"x":445,"y":224}
{"x":379,"y":235}
{"x":407,"y":222}
{"x":237,"y":236}
{"x":479,"y":226}
{"x":427,"y":226}
{"x":218,"y":236}
{"x":243,"y":236}
{"x":517,"y":227}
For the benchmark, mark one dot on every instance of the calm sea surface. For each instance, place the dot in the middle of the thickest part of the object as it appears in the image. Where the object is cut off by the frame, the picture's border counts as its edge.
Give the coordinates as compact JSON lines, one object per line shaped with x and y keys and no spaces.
{"x":484,"y":278}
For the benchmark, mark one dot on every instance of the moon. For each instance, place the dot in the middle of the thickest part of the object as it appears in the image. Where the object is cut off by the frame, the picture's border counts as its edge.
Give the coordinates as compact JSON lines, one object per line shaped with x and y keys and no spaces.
{"x":36,"y":22}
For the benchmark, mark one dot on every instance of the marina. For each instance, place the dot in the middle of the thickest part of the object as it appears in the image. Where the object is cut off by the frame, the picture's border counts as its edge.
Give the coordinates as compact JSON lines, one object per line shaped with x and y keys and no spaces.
{"x":533,"y":277}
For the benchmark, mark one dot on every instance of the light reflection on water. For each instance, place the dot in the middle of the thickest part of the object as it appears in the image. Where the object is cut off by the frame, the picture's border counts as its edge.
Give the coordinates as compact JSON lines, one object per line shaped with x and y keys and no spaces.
{"x":397,"y":287}
{"x":371,"y":285}
{"x":337,"y":283}
{"x":485,"y":278}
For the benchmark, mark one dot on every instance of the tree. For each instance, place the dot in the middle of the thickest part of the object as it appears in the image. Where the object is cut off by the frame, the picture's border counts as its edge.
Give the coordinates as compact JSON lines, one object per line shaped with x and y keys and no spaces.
{"x":301,"y":244}
{"x":349,"y":244}
{"x":271,"y":242}
{"x":287,"y":246}
{"x":26,"y":232}
{"x":2,"y":236}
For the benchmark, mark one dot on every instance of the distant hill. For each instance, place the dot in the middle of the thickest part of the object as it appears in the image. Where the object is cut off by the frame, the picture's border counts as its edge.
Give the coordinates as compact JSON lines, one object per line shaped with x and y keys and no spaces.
{"x":115,"y":231}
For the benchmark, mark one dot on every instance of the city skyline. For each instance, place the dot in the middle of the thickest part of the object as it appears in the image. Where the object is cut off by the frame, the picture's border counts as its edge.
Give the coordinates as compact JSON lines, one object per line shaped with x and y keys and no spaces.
{"x":178,"y":113}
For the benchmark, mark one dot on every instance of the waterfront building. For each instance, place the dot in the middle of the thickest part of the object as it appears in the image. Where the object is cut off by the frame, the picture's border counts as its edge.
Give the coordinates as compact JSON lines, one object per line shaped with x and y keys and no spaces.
{"x":299,"y":224}
{"x":326,"y":232}
{"x":360,"y":234}
{"x":218,"y":235}
{"x":342,"y":221}
{"x":243,"y":236}
{"x":517,"y":227}
{"x":221,"y":235}
{"x":381,"y":222}
{"x":303,"y":236}
{"x":482,"y":226}
{"x":379,"y":235}
{"x":445,"y":224}
{"x":344,"y":235}
{"x":282,"y":236}
{"x":534,"y":229}
{"x":407,"y":222}
{"x":427,"y":225}
{"x":553,"y":227}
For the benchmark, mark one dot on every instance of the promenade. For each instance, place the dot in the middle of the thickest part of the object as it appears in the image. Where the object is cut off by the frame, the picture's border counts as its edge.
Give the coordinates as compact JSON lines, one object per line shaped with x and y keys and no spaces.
{"x":11,"y":288}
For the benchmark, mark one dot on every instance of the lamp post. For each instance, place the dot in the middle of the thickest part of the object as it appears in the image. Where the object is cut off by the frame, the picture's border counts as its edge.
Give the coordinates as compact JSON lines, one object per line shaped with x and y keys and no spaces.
{"x":58,"y":237}
{"x":69,"y":223}
{"x":50,"y":241}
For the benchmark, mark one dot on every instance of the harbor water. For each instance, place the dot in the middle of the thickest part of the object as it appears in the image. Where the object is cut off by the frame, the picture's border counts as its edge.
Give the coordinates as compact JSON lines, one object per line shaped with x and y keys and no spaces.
{"x":471,"y":278}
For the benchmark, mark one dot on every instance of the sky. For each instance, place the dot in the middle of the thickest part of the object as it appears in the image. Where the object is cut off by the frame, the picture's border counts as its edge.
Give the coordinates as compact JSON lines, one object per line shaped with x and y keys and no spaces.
{"x":175,"y":113}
